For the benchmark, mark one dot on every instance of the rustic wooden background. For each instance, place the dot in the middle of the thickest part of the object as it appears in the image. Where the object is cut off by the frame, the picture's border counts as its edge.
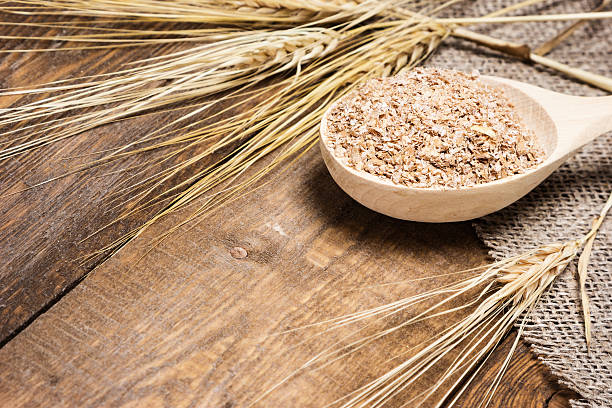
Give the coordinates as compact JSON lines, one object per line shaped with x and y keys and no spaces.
{"x":186,"y":324}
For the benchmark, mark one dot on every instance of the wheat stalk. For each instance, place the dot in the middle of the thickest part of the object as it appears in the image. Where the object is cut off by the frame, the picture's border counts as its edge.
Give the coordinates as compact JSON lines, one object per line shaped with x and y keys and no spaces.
{"x":200,"y":71}
{"x":233,"y":60}
{"x":506,"y":290}
{"x":523,"y":52}
{"x":242,"y":12}
{"x":289,"y":122}
{"x":212,"y":68}
{"x":562,"y":36}
{"x":318,"y":6}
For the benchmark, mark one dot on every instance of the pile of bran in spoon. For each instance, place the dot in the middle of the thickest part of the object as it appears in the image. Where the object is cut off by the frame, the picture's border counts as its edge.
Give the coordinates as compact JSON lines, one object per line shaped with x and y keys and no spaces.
{"x":431,"y":128}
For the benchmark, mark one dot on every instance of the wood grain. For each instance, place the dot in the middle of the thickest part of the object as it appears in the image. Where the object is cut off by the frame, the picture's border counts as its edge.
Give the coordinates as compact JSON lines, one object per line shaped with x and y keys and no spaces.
{"x":45,"y":231}
{"x":187,"y":325}
{"x":526,"y":382}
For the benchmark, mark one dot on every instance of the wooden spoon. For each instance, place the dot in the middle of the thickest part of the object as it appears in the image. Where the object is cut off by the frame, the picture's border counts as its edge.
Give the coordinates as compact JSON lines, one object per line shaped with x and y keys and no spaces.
{"x":562,"y":124}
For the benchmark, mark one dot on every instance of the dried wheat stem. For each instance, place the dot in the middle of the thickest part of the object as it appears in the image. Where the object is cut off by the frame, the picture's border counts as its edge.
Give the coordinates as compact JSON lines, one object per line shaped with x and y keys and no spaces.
{"x":559,"y":38}
{"x":527,"y":19}
{"x":198,"y":71}
{"x":159,"y":10}
{"x":312,"y":5}
{"x":506,"y":290}
{"x":514,"y":49}
{"x":513,"y":7}
{"x":295,"y":111}
{"x":583,"y":263}
{"x":251,"y":12}
{"x":522,"y":51}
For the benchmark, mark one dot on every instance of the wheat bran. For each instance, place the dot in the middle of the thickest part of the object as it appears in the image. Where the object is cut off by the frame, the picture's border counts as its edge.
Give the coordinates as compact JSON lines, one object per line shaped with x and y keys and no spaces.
{"x":431,"y":128}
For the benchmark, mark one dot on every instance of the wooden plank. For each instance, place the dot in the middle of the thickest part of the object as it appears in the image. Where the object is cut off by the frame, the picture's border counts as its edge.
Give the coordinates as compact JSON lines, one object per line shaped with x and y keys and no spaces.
{"x":189,"y":324}
{"x":42,"y":229}
{"x":526,"y":383}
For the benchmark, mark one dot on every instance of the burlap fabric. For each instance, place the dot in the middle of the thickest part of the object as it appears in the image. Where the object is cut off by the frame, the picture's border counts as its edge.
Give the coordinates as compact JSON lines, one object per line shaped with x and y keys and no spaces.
{"x":564,"y":206}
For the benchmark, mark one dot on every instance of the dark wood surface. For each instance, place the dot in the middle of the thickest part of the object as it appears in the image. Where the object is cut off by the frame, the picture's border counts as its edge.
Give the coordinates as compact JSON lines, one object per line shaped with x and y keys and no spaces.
{"x":188,"y":324}
{"x":46,"y":231}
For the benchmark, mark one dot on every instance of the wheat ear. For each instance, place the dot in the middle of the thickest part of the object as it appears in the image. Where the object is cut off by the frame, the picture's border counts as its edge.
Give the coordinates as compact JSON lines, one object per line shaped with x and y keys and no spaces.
{"x":182,"y":76}
{"x":288,"y":123}
{"x":239,"y":12}
{"x":505,"y":292}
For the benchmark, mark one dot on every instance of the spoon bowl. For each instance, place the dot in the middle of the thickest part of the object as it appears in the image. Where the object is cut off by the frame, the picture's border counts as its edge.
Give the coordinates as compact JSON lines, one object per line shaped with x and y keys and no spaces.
{"x":562,"y":125}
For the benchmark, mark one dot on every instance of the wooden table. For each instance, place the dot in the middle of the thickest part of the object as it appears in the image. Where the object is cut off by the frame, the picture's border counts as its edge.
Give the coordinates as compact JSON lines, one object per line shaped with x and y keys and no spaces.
{"x":185,"y":323}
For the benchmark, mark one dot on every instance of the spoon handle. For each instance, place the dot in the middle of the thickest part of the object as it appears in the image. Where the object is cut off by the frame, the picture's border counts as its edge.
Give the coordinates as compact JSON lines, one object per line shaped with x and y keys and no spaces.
{"x":584,"y":119}
{"x":578,"y":119}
